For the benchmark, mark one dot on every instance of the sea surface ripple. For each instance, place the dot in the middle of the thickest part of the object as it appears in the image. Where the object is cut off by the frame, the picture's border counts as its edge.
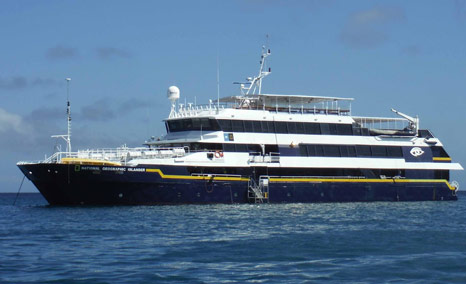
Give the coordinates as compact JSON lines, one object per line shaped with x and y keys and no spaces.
{"x":379,"y":242}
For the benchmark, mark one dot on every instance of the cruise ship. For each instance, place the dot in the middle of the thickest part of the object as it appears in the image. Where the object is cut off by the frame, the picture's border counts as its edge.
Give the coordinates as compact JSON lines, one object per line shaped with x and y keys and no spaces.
{"x":256,"y":148}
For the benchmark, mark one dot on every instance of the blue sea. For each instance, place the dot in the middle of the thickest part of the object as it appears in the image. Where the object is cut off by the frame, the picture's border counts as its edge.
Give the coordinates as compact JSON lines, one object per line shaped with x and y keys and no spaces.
{"x":379,"y":242}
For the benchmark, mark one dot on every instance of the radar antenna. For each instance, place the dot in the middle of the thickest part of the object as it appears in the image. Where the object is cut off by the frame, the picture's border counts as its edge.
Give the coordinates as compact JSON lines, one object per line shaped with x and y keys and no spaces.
{"x":173,"y":94}
{"x":254,"y":84}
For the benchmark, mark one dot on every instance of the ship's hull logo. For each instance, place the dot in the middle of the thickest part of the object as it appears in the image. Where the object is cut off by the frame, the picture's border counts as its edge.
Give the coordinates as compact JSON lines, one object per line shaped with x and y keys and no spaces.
{"x":416,"y":151}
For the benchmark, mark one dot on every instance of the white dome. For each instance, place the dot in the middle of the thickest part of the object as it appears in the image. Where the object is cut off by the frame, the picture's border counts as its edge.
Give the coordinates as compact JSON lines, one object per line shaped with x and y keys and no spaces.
{"x":173,"y":93}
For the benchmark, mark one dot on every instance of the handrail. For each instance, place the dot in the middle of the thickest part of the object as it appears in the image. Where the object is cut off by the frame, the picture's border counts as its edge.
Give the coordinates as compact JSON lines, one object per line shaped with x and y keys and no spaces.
{"x":214,"y":175}
{"x":122,"y":154}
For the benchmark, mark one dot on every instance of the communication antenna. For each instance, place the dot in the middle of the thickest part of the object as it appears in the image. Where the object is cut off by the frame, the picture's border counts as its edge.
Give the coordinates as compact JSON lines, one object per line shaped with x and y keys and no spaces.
{"x":253,"y":85}
{"x":68,"y":111}
{"x":218,"y":85}
{"x":67,"y":137}
{"x":173,"y":94}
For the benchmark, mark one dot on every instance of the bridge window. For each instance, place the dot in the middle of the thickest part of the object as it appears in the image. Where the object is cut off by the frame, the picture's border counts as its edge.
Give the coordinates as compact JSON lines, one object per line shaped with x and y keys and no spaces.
{"x":379,"y":151}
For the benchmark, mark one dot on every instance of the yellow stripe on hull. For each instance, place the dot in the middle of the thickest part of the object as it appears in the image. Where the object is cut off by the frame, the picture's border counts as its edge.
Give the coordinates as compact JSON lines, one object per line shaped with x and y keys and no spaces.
{"x":310,"y":180}
{"x":162,"y":175}
{"x":320,"y":180}
{"x":82,"y":161}
{"x":443,"y":159}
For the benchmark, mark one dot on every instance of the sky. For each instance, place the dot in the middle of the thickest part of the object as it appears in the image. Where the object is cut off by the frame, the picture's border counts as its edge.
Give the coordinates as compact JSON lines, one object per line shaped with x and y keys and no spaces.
{"x":123,"y":55}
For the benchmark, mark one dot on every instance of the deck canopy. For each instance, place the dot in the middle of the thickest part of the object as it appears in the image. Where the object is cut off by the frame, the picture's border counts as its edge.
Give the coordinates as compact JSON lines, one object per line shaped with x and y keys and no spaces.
{"x":291,"y":103}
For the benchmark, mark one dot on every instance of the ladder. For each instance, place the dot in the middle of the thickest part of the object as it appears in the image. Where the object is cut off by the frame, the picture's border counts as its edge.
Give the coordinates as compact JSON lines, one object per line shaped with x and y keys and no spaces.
{"x":259,"y":193}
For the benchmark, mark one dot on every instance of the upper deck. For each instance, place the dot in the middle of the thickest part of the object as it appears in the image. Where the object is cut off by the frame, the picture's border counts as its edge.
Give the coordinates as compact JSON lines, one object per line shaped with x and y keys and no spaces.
{"x":268,"y":102}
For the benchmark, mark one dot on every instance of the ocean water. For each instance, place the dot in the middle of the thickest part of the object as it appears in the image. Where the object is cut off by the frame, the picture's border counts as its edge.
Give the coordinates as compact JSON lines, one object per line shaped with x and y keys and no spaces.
{"x":380,"y":242}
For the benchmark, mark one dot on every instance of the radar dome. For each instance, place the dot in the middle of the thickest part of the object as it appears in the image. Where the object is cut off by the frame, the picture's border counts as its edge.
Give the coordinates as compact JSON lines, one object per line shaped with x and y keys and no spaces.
{"x":173,"y":93}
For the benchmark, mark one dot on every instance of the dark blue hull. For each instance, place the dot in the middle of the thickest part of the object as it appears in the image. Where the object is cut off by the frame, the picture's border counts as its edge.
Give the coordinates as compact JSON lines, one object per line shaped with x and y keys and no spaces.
{"x":64,"y":184}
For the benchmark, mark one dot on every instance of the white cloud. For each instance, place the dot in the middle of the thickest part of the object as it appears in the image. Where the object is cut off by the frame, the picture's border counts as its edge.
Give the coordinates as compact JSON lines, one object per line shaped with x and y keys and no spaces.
{"x":11,"y":121}
{"x":366,"y":29}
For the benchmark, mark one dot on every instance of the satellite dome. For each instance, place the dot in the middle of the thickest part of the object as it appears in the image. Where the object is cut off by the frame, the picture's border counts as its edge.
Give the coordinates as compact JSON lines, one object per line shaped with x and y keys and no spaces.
{"x":173,"y":93}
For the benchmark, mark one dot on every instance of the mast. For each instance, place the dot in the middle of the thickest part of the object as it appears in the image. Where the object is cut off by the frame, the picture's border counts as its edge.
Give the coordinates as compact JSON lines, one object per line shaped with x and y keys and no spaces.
{"x":67,"y":137}
{"x":254,"y":84}
{"x":68,"y":112}
{"x":218,"y":85}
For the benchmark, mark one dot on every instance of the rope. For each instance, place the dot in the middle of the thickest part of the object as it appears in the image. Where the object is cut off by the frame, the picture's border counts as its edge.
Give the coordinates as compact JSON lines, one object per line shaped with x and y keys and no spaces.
{"x":19,"y":189}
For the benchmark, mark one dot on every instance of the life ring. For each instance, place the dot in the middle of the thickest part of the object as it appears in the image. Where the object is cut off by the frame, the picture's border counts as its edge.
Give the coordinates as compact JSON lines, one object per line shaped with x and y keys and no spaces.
{"x":218,"y":154}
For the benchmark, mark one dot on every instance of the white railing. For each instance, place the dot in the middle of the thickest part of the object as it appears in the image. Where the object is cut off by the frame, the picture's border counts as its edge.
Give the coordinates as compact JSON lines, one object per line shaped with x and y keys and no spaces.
{"x":256,"y":157}
{"x":215,"y":175}
{"x":196,"y":110}
{"x":119,"y":155}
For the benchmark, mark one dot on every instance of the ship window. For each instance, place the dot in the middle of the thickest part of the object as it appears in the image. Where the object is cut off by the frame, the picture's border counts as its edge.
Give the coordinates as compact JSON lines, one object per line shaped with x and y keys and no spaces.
{"x":300,"y":128}
{"x":196,"y":124}
{"x":319,"y":151}
{"x":379,"y":151}
{"x":357,"y":130}
{"x":237,"y":126}
{"x":333,"y":128}
{"x":325,"y":128}
{"x":213,"y":124}
{"x":344,"y":129}
{"x":363,"y":150}
{"x":195,"y":146}
{"x":206,"y":124}
{"x":292,"y":127}
{"x":175,"y":125}
{"x":347,"y":151}
{"x":187,"y":124}
{"x":394,"y":151}
{"x":365,"y":132}
{"x":265,"y":126}
{"x":241,"y":148}
{"x":312,"y":128}
{"x":193,"y":124}
{"x":254,"y":148}
{"x":248,"y":126}
{"x":280,"y":127}
{"x":257,"y":126}
{"x":228,"y":147}
{"x":344,"y":151}
{"x":271,"y":149}
{"x":311,"y":150}
{"x":331,"y":150}
{"x":225,"y":125}
{"x":271,"y":127}
{"x":303,"y":150}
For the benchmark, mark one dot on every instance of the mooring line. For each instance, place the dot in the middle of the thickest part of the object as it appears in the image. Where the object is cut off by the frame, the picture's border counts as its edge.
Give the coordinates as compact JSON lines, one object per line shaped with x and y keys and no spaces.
{"x":19,"y":189}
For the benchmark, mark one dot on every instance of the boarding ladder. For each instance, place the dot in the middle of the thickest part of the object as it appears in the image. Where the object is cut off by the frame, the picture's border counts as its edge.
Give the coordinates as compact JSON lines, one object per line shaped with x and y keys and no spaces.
{"x":259,"y":193}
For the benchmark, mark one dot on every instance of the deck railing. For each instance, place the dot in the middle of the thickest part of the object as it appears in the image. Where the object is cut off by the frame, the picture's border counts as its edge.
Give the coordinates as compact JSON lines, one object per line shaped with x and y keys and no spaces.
{"x":257,"y":157}
{"x":120,"y":155}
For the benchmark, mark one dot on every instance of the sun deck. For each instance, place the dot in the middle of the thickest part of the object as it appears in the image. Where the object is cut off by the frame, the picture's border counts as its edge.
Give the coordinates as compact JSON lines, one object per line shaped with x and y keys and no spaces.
{"x":268,"y":102}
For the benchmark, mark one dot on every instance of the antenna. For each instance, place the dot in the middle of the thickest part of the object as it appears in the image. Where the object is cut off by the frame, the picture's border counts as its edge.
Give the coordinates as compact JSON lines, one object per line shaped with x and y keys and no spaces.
{"x":68,"y":111}
{"x":218,"y":85}
{"x":255,"y":83}
{"x":67,"y":137}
